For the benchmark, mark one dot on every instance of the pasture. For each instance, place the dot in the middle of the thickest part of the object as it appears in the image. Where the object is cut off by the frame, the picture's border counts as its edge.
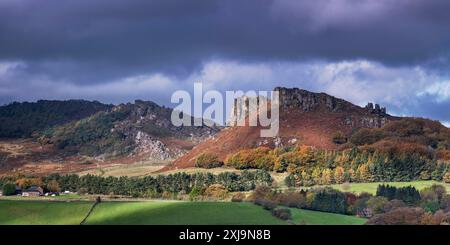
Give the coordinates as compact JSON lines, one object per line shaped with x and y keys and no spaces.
{"x":157,"y":212}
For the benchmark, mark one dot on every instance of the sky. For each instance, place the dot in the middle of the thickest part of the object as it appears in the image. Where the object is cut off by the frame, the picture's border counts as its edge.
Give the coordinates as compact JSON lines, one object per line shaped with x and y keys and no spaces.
{"x":395,"y":53}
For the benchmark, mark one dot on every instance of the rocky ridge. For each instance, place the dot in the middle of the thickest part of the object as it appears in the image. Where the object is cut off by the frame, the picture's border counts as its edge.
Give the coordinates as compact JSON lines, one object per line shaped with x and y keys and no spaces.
{"x":306,"y":118}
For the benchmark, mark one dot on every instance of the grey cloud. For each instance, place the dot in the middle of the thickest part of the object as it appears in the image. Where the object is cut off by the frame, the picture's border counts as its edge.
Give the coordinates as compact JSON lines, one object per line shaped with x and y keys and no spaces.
{"x":86,"y":44}
{"x":176,"y":36}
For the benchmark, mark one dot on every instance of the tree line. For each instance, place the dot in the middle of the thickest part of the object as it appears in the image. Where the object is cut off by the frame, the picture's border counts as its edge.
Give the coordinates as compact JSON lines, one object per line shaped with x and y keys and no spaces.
{"x":147,"y":186}
{"x":390,"y":205}
{"x":309,"y":166}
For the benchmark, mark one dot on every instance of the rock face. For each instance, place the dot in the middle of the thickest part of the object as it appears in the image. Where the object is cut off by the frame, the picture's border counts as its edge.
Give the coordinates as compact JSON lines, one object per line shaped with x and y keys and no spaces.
{"x":243,"y":106}
{"x":295,"y":99}
{"x":381,"y":111}
{"x":155,"y":120}
{"x":149,"y":126}
{"x":298,"y":99}
{"x":153,"y":148}
{"x":308,"y":101}
{"x":373,"y":121}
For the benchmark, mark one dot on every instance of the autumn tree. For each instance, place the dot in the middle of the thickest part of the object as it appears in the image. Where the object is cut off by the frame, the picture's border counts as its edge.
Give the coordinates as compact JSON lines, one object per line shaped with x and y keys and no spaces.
{"x":377,"y":204}
{"x":446,"y":177}
{"x":364,"y":174}
{"x":399,"y":216}
{"x":53,"y":186}
{"x":27,"y":182}
{"x":216,"y":191}
{"x":327,"y":177}
{"x":339,"y":175}
{"x":317,"y":176}
{"x":208,"y":160}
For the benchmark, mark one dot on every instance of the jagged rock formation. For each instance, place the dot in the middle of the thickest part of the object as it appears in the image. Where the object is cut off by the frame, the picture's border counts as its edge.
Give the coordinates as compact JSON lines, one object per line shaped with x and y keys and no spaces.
{"x":305,"y":118}
{"x":375,"y":110}
{"x":307,"y":101}
{"x":295,"y":99}
{"x":150,"y":126}
{"x":299,"y":99}
{"x":153,"y":148}
{"x":244,"y":105}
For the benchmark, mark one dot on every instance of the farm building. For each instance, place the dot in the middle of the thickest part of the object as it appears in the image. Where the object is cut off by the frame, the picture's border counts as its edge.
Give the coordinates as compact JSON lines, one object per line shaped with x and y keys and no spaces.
{"x":33,"y":191}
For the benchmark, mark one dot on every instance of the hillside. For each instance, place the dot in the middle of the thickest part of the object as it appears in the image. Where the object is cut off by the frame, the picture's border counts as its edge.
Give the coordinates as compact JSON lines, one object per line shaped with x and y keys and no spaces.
{"x":122,"y":134}
{"x":143,"y":128}
{"x":23,"y":119}
{"x":80,"y":136}
{"x":327,"y":123}
{"x":15,"y":212}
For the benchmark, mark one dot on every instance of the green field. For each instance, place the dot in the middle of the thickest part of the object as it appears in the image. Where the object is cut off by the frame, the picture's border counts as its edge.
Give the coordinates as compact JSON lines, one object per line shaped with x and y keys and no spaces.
{"x":372,"y":187}
{"x":42,"y":212}
{"x":156,"y":212}
{"x":309,"y":217}
{"x":181,"y":213}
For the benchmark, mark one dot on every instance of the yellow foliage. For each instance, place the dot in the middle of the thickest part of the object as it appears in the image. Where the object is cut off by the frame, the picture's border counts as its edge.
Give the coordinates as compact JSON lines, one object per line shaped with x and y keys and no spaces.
{"x":339,"y":175}
{"x":27,"y":182}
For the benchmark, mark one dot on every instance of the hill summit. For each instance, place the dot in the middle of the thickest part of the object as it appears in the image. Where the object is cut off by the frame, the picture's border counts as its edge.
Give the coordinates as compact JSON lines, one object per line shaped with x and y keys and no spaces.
{"x":324,"y":122}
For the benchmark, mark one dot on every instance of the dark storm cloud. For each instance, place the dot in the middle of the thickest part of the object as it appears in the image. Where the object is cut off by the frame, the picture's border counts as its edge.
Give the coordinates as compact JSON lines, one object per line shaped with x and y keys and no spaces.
{"x":117,"y":51}
{"x":116,"y":37}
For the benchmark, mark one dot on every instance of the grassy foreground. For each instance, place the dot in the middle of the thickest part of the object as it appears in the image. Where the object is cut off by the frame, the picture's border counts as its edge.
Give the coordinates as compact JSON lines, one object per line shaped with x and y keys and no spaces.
{"x":372,"y":187}
{"x":181,"y":213}
{"x":42,"y":212}
{"x":309,"y":217}
{"x":158,"y":213}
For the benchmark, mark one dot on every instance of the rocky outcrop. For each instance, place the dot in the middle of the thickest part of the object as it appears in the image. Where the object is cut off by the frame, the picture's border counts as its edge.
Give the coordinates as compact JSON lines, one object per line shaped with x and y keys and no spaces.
{"x":244,"y":105}
{"x":149,"y":126}
{"x":306,"y":118}
{"x":371,"y":116}
{"x":295,"y":98}
{"x":154,"y":148}
{"x":365,"y":121}
{"x":298,"y":99}
{"x":155,"y":120}
{"x":381,"y":111}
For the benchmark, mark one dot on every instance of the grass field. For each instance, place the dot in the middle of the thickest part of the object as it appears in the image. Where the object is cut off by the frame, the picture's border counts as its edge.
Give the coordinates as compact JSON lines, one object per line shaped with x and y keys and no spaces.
{"x":372,"y":187}
{"x":150,"y":168}
{"x":181,"y":213}
{"x":156,"y":212}
{"x":42,"y":212}
{"x":131,"y":170}
{"x":309,"y":217}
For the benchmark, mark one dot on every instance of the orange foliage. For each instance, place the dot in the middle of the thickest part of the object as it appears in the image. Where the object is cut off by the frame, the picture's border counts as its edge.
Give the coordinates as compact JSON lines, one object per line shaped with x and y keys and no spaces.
{"x":443,"y":155}
{"x":216,"y":191}
{"x":261,"y":157}
{"x":391,"y":146}
{"x":405,"y":127}
{"x":27,"y":182}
